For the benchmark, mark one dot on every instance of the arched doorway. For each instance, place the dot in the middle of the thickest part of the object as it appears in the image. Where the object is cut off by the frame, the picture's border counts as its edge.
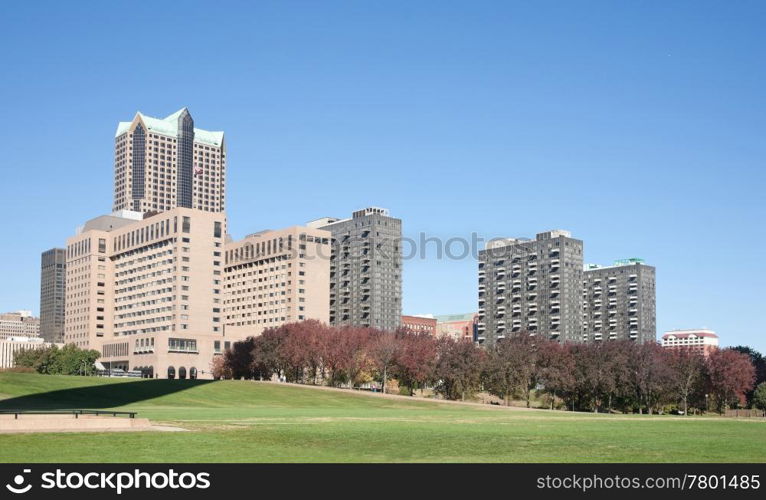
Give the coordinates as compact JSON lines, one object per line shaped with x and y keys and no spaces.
{"x":192,"y":373}
{"x":171,"y":372}
{"x":182,"y":373}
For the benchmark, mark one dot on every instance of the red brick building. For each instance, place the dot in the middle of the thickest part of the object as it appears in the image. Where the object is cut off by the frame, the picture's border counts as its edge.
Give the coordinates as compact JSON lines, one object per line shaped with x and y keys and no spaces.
{"x":419,"y":324}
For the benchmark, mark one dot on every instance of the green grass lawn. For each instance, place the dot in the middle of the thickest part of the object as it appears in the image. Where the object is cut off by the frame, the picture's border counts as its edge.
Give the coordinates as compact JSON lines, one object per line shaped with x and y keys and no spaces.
{"x":240,"y":421}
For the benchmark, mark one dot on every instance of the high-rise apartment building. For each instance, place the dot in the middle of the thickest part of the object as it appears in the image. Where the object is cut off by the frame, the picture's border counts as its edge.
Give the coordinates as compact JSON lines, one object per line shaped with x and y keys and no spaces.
{"x":365,"y":269}
{"x":52,"y":291}
{"x":532,"y":286}
{"x":18,"y":324}
{"x":164,"y":163}
{"x":619,"y":302}
{"x":276,"y":277}
{"x":146,"y":290}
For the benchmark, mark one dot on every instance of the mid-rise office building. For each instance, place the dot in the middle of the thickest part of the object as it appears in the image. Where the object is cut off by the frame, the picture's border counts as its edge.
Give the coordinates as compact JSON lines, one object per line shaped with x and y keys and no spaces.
{"x":276,"y":277}
{"x":365,"y":269}
{"x":19,"y":324}
{"x":52,"y":292}
{"x":164,"y":163}
{"x":531,"y":286}
{"x":619,"y":302}
{"x":146,"y":290}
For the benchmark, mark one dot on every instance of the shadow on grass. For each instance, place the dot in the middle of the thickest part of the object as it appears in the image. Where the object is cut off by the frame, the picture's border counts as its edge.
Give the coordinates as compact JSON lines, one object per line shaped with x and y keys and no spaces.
{"x":99,"y":396}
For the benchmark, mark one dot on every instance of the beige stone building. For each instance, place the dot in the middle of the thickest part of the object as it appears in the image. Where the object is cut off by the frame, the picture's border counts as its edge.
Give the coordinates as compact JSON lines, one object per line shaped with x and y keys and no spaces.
{"x":11,"y":345}
{"x":276,"y":277}
{"x":164,"y":163}
{"x":146,"y":290}
{"x":19,"y":324}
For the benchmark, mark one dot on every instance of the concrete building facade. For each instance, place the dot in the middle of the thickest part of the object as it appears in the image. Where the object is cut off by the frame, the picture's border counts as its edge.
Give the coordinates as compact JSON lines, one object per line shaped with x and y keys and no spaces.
{"x":276,"y":277}
{"x":19,"y":324}
{"x":52,"y":294}
{"x":365,"y":269}
{"x":164,"y":163}
{"x":532,"y":286}
{"x":619,"y":302}
{"x":146,"y":290}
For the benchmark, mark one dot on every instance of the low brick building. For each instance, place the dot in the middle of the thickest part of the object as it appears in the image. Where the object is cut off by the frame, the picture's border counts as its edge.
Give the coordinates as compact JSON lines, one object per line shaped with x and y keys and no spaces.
{"x":420,"y":324}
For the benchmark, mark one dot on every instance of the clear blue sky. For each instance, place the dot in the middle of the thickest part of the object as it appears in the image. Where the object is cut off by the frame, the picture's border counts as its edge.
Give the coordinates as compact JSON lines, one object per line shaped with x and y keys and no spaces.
{"x":638,"y":126}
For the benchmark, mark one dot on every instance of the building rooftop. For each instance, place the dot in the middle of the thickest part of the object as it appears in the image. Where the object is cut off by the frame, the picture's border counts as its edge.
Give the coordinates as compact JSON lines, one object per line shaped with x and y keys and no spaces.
{"x":169,"y":126}
{"x":632,"y":261}
{"x":448,"y":318}
{"x":690,"y":333}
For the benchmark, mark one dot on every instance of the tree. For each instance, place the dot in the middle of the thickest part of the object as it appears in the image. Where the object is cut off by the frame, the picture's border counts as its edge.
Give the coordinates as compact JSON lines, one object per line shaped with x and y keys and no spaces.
{"x":730,"y":375}
{"x":218,"y":368}
{"x":759,"y":362}
{"x":458,"y":368}
{"x":649,"y":374}
{"x":239,"y":358}
{"x":555,"y":369}
{"x":687,"y":368}
{"x":415,"y":360}
{"x":759,"y":396}
{"x":511,"y":367}
{"x":266,"y":361}
{"x":384,"y":348}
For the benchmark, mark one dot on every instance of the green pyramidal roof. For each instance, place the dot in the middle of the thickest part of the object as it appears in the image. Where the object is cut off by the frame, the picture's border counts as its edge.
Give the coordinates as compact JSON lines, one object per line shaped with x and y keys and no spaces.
{"x":169,"y":126}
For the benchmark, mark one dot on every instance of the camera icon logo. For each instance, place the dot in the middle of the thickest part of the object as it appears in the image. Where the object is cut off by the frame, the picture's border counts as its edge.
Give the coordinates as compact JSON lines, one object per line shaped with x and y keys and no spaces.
{"x":19,"y":481}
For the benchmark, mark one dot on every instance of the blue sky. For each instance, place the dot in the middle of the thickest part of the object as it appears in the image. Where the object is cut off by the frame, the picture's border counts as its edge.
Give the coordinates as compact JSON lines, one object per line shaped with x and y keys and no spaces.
{"x":638,"y":126}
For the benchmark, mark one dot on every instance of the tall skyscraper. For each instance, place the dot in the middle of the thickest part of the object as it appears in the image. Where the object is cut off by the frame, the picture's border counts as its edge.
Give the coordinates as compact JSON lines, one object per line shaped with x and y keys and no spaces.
{"x":276,"y":277}
{"x":164,"y":163}
{"x":619,"y":302}
{"x":52,"y":293}
{"x":532,"y":286}
{"x":365,"y":269}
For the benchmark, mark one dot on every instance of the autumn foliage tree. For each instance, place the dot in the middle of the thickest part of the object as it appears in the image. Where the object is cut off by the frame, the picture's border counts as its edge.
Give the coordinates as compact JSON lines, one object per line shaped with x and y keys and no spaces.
{"x":730,"y":375}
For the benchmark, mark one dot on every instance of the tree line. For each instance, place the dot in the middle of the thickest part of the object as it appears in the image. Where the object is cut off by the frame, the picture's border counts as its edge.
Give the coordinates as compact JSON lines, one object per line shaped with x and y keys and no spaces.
{"x":610,"y":376}
{"x":52,"y":360}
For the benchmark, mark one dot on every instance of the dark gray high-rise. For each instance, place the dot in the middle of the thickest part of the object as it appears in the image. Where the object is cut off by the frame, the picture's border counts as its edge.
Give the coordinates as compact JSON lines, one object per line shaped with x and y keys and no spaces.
{"x":52,"y":293}
{"x":619,"y":302}
{"x":365,"y":269}
{"x":531,"y":286}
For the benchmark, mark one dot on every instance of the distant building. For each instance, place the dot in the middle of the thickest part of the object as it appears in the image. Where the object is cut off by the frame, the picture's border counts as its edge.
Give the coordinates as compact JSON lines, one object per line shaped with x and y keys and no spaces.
{"x":531,"y":286}
{"x":164,"y":163}
{"x":703,"y":341}
{"x":276,"y":277}
{"x":420,"y":324}
{"x":52,"y":294}
{"x":365,"y":269}
{"x":19,"y":324}
{"x":619,"y":302}
{"x":457,"y":326}
{"x":11,"y":345}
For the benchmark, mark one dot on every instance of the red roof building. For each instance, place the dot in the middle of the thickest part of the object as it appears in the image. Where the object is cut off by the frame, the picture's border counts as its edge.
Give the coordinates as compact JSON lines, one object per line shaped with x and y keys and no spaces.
{"x":703,"y":341}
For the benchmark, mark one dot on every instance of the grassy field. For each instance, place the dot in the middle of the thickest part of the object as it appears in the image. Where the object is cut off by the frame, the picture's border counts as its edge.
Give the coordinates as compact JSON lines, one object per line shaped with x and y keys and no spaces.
{"x":239,"y":421}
